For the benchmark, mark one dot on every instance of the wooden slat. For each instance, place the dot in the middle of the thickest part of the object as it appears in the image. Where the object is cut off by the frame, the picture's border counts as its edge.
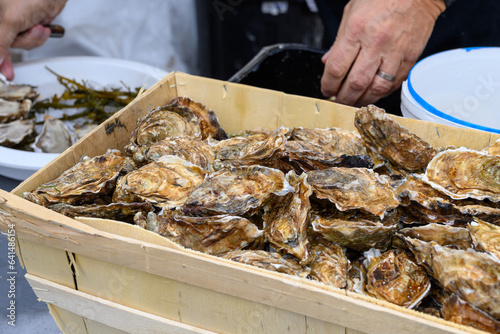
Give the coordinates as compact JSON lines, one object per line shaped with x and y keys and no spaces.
{"x":103,"y":311}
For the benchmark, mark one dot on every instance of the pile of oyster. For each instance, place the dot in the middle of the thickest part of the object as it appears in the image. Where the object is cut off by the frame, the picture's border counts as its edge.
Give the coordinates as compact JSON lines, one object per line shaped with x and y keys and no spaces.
{"x":379,"y":212}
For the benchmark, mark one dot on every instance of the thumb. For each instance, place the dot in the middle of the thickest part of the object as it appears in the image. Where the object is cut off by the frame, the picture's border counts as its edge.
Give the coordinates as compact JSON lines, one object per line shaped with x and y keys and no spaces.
{"x":6,"y":68}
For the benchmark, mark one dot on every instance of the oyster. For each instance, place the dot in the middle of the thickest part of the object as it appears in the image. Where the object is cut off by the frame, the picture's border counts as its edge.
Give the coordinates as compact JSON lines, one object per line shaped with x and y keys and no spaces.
{"x":193,"y":150}
{"x":463,"y":173}
{"x":460,"y":312}
{"x":494,"y":149}
{"x":473,"y":276}
{"x":12,"y":92}
{"x":55,"y":136}
{"x":236,"y":191}
{"x":213,"y":235}
{"x":116,"y":211}
{"x":287,"y":218}
{"x":209,"y":123}
{"x":485,"y":236}
{"x":14,"y":132}
{"x":170,"y":121}
{"x":251,"y":150}
{"x":266,"y":260}
{"x":356,"y":276}
{"x":12,"y":110}
{"x":391,"y":140}
{"x":166,"y":182}
{"x":353,"y":188}
{"x":356,"y":231}
{"x":444,"y":235}
{"x":84,"y":182}
{"x":393,"y":276}
{"x":330,"y":264}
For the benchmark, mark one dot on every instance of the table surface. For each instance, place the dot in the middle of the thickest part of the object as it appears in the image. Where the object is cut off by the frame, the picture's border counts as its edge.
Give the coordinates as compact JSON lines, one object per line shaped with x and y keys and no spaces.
{"x":32,"y":316}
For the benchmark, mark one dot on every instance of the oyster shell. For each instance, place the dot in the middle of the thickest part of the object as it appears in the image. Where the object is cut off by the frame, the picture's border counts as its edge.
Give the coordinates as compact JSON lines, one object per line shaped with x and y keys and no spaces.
{"x":236,"y":191}
{"x":473,"y":276}
{"x":12,"y":92}
{"x":494,"y":149}
{"x":170,"y":121}
{"x":460,"y":312}
{"x":391,"y":140}
{"x":166,"y":182}
{"x":14,"y":132}
{"x":266,"y":260}
{"x":353,"y":188}
{"x":84,"y":182}
{"x":213,"y":235}
{"x":464,"y":173}
{"x":55,"y":136}
{"x":444,"y":235}
{"x":12,"y":110}
{"x":209,"y":123}
{"x":356,"y":231}
{"x":193,"y":150}
{"x":330,"y":264}
{"x":287,"y":218}
{"x":116,"y":211}
{"x":485,"y":236}
{"x":393,"y":276}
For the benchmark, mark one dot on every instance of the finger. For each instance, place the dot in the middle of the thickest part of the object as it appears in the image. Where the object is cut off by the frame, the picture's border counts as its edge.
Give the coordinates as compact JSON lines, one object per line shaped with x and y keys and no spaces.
{"x":379,"y":86}
{"x":6,"y":68}
{"x":340,"y":58}
{"x":32,"y":38}
{"x":359,"y":78}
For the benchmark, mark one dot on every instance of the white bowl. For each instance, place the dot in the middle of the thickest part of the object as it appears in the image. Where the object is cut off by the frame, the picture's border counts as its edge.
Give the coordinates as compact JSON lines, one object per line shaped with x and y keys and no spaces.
{"x":458,"y":87}
{"x":98,"y":71}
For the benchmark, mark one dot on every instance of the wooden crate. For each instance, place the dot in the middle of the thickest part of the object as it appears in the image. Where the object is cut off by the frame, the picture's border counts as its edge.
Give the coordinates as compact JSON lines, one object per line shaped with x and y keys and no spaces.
{"x":102,"y":276}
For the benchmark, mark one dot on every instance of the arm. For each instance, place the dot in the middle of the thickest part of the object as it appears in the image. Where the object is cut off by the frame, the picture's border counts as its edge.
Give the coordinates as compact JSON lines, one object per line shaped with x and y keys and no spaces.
{"x":26,"y":16}
{"x":374,"y":35}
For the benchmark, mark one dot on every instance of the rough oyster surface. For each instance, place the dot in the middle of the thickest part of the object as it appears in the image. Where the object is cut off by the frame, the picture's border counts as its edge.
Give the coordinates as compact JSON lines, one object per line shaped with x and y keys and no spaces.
{"x":330,"y":264}
{"x":212,"y":235}
{"x":485,"y":236}
{"x":353,"y":188}
{"x":14,"y":132}
{"x":55,"y":136}
{"x":287,"y":218}
{"x":85,"y":181}
{"x":115,"y":211}
{"x":391,"y":140}
{"x":444,"y":235}
{"x":167,"y":181}
{"x":395,"y":277}
{"x":463,"y":173}
{"x":236,"y":191}
{"x":494,"y":149}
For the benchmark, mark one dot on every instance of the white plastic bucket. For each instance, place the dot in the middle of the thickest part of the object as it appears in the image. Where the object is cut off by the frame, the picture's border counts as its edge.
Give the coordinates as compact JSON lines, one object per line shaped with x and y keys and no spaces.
{"x":458,"y":87}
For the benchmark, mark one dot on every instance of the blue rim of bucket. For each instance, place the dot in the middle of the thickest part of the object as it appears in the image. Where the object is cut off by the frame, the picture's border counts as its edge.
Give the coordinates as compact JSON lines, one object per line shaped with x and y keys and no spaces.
{"x":439,"y":113}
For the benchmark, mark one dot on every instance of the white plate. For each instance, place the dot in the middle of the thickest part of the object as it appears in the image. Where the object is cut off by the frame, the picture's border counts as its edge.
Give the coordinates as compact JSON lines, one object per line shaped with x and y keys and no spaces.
{"x":97,"y":71}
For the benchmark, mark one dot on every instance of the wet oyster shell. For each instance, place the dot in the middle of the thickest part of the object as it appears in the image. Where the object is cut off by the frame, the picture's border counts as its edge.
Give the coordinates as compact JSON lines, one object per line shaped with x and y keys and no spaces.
{"x":12,"y":110}
{"x":494,"y":149}
{"x":463,"y":313}
{"x":463,"y":173}
{"x":287,"y":218}
{"x":330,"y":264}
{"x":15,"y":132}
{"x":84,"y":182}
{"x":267,"y":260}
{"x":170,"y":121}
{"x":55,"y":136}
{"x":485,"y":236}
{"x":193,"y":150}
{"x":116,"y":211}
{"x":209,"y":123}
{"x":444,"y":235}
{"x":13,"y":92}
{"x":353,"y":188}
{"x":236,"y":191}
{"x":166,"y":182}
{"x":391,"y":140}
{"x":473,"y":276}
{"x":213,"y":235}
{"x":393,"y":276}
{"x":357,"y":232}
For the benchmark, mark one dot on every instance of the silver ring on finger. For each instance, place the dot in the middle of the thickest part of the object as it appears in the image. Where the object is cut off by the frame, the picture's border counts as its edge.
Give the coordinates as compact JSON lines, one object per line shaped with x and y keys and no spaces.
{"x":386,"y":76}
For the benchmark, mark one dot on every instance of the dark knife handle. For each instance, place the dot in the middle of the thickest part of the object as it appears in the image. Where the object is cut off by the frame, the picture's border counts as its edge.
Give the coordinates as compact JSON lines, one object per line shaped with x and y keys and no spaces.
{"x":55,"y":30}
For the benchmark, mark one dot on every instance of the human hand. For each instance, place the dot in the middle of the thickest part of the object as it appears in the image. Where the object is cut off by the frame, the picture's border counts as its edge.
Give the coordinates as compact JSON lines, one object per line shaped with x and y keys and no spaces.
{"x":376,"y":35}
{"x":26,"y":17}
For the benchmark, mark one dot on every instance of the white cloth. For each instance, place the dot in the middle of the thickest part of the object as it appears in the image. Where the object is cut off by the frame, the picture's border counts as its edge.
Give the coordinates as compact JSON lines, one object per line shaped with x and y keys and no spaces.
{"x":161,"y":33}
